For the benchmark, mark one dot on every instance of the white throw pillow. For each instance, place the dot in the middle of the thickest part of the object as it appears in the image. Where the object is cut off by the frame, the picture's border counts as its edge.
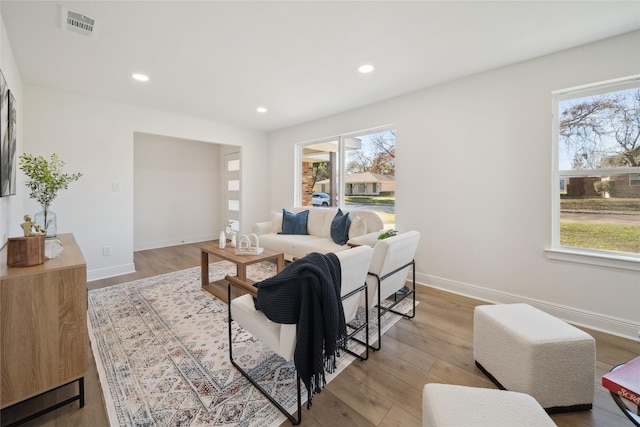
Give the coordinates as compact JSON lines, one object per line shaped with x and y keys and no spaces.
{"x":358,"y":227}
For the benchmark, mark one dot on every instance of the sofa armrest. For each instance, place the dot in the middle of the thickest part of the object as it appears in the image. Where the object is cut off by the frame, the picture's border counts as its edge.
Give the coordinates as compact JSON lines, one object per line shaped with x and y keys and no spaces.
{"x":261,"y":228}
{"x":369,"y":239}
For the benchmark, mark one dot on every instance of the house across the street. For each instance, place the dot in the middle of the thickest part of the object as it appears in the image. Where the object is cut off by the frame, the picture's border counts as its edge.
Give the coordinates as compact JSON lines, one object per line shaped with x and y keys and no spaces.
{"x":362,"y":184}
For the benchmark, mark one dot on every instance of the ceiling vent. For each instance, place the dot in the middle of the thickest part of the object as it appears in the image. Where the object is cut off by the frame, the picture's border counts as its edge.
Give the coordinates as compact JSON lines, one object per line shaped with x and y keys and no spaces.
{"x":78,"y":23}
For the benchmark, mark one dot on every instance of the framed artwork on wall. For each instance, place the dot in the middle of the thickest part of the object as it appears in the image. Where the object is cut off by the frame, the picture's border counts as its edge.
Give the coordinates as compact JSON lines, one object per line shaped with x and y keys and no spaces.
{"x":10,"y":169}
{"x":7,"y":140}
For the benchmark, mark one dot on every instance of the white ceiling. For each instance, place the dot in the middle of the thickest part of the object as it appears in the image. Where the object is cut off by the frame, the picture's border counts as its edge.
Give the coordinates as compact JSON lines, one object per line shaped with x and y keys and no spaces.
{"x":219,"y":60}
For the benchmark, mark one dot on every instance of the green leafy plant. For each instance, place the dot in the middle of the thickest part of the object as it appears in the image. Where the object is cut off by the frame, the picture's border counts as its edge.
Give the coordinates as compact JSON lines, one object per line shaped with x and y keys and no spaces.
{"x":388,"y":233}
{"x":605,"y":187}
{"x":46,"y":177}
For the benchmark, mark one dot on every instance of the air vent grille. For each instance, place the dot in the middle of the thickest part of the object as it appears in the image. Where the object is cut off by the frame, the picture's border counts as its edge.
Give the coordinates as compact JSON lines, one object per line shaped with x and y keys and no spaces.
{"x":78,"y":23}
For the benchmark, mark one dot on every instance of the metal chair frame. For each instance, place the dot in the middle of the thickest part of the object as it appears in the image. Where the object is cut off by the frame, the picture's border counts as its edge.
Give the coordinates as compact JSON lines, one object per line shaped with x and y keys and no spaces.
{"x":397,"y":300}
{"x":350,"y":336}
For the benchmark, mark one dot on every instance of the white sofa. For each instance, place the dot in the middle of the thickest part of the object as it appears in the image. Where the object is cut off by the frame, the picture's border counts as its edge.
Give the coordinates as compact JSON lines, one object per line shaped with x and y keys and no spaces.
{"x":363,"y":224}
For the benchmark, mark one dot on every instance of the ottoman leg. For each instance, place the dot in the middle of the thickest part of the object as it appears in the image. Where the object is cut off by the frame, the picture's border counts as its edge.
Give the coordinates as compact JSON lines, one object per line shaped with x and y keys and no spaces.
{"x":491,"y":377}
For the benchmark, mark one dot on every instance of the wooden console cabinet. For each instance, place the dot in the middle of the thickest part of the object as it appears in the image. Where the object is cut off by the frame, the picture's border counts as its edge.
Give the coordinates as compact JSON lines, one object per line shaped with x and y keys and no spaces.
{"x":43,"y":325}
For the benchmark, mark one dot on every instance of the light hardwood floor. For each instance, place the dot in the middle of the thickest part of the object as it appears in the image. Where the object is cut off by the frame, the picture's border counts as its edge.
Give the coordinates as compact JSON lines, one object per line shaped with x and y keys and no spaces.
{"x":386,"y":390}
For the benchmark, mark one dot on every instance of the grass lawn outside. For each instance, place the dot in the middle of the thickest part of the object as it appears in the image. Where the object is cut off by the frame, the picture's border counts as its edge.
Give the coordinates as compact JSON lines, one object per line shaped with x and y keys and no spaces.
{"x":610,"y":237}
{"x":599,"y":204}
{"x":387,"y":200}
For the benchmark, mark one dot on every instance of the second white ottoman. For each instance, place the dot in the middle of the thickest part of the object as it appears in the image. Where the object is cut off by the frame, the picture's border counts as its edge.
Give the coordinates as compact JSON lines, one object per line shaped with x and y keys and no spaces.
{"x":446,"y":405}
{"x":527,"y":350}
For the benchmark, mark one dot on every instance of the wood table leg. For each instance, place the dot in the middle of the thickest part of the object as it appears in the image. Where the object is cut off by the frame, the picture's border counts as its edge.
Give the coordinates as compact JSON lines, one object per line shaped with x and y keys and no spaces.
{"x":204,"y":268}
{"x":241,"y":272}
{"x":279,"y":263}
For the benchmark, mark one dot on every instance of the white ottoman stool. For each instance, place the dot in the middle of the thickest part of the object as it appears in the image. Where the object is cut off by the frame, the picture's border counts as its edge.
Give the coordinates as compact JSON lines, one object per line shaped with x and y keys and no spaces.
{"x":525,"y":349}
{"x":445,"y":405}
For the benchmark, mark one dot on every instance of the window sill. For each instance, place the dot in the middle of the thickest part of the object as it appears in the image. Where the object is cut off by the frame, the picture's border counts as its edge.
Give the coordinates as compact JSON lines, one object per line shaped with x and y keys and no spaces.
{"x":592,"y":257}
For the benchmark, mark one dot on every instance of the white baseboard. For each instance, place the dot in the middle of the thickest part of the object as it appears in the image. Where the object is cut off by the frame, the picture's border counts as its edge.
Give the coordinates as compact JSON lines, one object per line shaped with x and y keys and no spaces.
{"x":143,"y":246}
{"x":611,"y":325}
{"x":103,"y":273}
{"x":118,"y":270}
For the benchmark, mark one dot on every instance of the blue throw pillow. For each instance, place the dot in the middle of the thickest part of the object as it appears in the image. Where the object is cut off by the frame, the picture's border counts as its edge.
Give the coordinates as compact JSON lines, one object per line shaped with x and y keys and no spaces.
{"x":340,"y":227}
{"x":294,"y":223}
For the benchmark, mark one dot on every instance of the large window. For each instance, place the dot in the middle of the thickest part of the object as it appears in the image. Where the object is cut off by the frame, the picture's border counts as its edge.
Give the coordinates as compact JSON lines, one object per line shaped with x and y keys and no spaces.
{"x":353,"y":171}
{"x":596,"y":196}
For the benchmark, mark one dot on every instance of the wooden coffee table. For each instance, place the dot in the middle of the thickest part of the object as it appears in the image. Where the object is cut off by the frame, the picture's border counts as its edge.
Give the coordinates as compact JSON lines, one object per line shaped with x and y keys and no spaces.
{"x":241,"y":262}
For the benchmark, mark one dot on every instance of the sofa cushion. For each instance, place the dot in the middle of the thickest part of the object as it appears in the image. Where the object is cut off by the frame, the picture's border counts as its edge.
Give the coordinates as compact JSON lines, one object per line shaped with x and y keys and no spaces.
{"x":294,"y":223}
{"x":276,"y":222}
{"x":317,"y":220}
{"x":297,"y":245}
{"x":340,"y":227}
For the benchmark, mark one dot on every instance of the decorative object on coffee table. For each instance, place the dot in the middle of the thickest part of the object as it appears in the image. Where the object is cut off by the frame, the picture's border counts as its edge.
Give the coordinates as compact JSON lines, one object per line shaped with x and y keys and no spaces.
{"x":46,"y":178}
{"x":232,"y":233}
{"x":249,"y":245}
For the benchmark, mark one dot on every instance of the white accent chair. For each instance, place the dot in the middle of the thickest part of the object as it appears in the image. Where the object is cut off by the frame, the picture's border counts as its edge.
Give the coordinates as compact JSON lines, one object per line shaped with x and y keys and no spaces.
{"x":281,"y":338}
{"x":392,"y":259}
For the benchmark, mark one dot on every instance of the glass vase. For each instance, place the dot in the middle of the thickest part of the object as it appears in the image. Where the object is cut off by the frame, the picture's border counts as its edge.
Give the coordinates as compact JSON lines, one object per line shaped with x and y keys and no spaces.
{"x":47,"y":219}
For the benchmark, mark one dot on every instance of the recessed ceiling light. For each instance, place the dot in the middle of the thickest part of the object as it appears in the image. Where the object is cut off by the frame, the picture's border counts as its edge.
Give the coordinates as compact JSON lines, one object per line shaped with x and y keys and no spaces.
{"x":261,"y":110}
{"x":364,"y":69}
{"x":140,"y":77}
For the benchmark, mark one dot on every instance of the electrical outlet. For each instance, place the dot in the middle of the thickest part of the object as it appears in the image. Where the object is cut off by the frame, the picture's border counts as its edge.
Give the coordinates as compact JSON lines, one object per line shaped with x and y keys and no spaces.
{"x":107,"y":250}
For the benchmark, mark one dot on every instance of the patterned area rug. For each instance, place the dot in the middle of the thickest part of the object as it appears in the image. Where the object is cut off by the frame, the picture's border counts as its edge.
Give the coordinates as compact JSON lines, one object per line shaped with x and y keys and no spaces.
{"x":161,"y":349}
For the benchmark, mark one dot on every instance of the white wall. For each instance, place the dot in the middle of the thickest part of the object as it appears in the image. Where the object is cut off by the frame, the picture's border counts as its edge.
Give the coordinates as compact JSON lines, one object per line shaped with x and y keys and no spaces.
{"x":177,"y":191}
{"x":464,"y":150}
{"x":11,"y":207}
{"x":96,"y":137}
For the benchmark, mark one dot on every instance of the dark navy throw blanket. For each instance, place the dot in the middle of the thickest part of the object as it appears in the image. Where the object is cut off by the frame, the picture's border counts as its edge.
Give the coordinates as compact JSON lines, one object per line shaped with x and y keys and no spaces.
{"x":307,"y":293}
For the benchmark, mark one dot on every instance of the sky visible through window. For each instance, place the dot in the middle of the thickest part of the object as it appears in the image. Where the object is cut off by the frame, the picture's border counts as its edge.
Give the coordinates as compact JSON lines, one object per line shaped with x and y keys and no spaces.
{"x":597,"y":131}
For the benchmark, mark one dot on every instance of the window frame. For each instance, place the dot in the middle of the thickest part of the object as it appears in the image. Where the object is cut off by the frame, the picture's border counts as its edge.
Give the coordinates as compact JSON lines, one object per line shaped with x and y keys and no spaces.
{"x":340,"y":178}
{"x":556,"y":251}
{"x":297,"y":187}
